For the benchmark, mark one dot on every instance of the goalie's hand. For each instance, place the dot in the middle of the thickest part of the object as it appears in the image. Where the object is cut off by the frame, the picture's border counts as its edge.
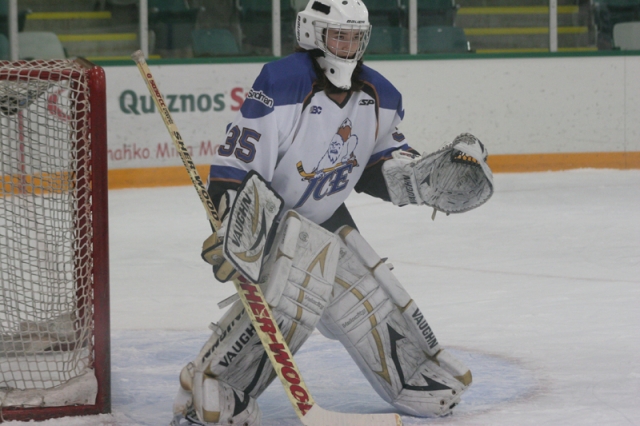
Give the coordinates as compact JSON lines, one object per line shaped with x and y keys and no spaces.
{"x":212,"y":247}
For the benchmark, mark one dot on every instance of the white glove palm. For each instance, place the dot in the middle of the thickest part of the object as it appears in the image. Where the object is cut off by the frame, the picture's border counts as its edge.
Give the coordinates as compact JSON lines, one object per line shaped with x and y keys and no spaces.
{"x":454,"y":179}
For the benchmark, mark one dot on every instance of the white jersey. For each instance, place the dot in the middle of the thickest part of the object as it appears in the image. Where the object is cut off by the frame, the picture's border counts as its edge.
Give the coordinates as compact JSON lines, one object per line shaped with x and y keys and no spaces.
{"x":311,"y":149}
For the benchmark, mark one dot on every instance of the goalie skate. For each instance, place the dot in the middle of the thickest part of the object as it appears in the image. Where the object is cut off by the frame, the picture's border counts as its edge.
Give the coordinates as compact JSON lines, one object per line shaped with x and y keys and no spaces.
{"x":187,"y":419}
{"x":205,"y":401}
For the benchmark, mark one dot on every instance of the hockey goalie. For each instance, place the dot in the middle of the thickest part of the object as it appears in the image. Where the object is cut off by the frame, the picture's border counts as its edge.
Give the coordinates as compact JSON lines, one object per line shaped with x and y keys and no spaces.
{"x":316,"y":125}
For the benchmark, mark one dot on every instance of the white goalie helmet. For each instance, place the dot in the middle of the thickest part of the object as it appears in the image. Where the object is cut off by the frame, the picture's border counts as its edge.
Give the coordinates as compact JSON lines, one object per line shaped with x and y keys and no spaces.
{"x":341,"y":29}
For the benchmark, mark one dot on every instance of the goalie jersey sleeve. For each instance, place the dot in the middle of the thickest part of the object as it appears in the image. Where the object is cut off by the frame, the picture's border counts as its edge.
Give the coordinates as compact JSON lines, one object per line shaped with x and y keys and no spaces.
{"x":311,"y":149}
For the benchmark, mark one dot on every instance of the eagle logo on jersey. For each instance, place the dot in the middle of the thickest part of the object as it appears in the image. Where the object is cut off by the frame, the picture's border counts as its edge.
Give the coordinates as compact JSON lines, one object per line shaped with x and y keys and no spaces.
{"x":340,"y":152}
{"x":330,"y":174}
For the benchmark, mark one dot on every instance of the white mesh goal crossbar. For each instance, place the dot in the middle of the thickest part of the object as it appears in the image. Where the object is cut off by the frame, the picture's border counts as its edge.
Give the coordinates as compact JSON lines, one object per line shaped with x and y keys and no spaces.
{"x":54,"y":323}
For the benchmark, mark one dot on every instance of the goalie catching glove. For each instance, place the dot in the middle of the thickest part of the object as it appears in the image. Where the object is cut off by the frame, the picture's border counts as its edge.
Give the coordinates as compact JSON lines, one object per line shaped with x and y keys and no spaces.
{"x":454,"y":179}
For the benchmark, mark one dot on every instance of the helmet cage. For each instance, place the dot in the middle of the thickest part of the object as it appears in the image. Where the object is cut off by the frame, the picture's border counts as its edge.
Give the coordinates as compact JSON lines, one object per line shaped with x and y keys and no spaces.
{"x":347,"y":42}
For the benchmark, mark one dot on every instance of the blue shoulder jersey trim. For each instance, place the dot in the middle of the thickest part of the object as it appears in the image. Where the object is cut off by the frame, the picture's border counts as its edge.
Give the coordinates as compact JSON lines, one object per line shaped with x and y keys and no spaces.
{"x":390,"y":97}
{"x":286,"y":81}
{"x":385,"y":155}
{"x":226,"y":173}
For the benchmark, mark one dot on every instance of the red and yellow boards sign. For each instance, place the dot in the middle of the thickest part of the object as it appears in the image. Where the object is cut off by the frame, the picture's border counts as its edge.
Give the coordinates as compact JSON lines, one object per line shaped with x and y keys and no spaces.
{"x":507,"y":163}
{"x":40,"y":184}
{"x":176,"y":176}
{"x":518,"y":163}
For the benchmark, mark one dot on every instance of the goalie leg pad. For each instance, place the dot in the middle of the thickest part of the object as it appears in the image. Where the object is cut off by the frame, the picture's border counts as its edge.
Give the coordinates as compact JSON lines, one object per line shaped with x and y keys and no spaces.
{"x":376,"y":331}
{"x":297,"y":281}
{"x":415,"y":319}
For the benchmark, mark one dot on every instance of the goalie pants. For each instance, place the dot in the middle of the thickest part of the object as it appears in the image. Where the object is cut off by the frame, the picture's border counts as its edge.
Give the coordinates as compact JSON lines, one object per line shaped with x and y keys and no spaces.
{"x":338,"y":284}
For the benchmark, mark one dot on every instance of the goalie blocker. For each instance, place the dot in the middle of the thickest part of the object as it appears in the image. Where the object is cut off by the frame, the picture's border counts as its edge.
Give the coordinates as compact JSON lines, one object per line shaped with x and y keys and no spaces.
{"x":248,"y":215}
{"x":454,"y":179}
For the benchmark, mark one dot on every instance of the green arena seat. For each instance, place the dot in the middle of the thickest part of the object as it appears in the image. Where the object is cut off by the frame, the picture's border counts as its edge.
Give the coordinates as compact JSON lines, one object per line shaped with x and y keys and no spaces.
{"x":214,"y":42}
{"x":442,"y":39}
{"x":387,"y":40}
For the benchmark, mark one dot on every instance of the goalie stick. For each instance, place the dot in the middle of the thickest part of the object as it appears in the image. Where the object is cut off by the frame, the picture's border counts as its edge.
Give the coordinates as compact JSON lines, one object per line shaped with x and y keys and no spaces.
{"x":309,"y":412}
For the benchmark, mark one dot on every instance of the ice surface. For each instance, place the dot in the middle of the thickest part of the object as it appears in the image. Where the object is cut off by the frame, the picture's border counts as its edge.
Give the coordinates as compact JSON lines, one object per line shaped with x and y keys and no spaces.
{"x":538,"y":291}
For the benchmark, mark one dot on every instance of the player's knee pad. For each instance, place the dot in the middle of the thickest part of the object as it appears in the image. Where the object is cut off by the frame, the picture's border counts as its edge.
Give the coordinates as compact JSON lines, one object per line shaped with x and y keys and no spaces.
{"x":297,"y":282}
{"x":385,"y":333}
{"x":212,"y":402}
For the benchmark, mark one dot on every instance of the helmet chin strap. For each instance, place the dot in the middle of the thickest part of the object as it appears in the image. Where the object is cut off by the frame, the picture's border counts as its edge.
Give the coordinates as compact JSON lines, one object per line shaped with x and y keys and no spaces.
{"x":338,"y":72}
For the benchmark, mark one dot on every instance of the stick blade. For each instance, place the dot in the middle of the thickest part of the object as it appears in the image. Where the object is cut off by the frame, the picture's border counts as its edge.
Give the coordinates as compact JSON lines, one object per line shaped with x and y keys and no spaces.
{"x":318,"y":416}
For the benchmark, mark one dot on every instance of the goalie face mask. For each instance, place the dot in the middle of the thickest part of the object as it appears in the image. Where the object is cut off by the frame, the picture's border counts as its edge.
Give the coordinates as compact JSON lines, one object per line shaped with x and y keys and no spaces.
{"x":341,"y":30}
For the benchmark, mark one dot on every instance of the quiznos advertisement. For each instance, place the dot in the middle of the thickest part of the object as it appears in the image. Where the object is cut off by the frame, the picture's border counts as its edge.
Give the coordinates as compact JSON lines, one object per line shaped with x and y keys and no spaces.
{"x":202,"y":100}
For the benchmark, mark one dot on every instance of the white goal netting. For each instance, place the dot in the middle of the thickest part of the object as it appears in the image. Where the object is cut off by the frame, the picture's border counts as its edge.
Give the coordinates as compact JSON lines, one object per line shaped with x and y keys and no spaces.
{"x":46,"y":263}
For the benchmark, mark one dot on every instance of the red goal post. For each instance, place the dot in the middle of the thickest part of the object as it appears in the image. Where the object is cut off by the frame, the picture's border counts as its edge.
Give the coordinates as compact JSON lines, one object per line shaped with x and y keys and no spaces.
{"x":54,"y":254}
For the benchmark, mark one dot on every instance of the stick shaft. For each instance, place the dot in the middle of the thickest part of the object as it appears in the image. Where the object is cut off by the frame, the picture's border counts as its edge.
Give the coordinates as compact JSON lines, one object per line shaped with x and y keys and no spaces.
{"x":250,"y":293}
{"x":177,"y":140}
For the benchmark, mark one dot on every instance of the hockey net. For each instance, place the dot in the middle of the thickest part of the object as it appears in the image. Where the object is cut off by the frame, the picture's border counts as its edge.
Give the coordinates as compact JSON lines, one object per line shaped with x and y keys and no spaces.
{"x":54,"y":323}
